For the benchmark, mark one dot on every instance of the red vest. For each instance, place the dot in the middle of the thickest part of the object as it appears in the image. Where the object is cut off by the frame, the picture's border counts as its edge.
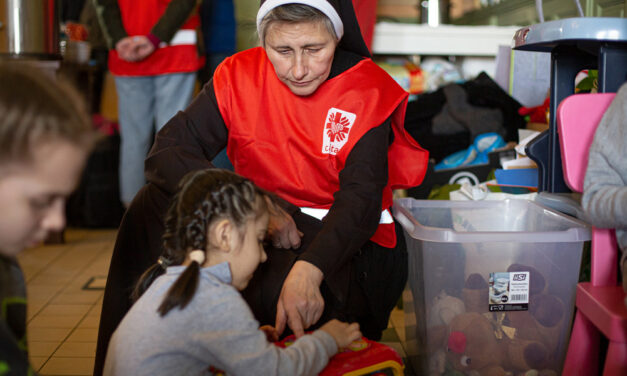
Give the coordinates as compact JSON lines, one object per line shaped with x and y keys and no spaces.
{"x":138,"y":18}
{"x":296,"y":146}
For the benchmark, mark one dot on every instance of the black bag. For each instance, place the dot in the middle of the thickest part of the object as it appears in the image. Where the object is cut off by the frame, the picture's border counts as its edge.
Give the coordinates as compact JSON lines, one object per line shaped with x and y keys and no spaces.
{"x":96,"y":201}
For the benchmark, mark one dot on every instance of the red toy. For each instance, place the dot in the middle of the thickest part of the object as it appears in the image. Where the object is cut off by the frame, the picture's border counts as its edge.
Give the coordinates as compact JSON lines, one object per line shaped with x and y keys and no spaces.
{"x":537,"y":114}
{"x":362,"y":357}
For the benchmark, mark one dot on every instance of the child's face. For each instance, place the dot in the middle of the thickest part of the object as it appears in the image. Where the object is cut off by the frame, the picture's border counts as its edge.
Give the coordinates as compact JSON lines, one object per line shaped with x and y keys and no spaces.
{"x":244,"y":262}
{"x":32,"y":195}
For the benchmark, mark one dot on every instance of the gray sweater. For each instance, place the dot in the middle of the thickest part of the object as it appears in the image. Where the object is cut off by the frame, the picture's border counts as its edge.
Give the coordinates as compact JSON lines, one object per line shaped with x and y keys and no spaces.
{"x":605,"y":187}
{"x":216,"y":329}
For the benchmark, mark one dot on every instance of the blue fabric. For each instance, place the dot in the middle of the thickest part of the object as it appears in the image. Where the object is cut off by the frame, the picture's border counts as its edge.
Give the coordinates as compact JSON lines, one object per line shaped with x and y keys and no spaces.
{"x":217,"y":18}
{"x":475,"y":154}
{"x":145,"y":104}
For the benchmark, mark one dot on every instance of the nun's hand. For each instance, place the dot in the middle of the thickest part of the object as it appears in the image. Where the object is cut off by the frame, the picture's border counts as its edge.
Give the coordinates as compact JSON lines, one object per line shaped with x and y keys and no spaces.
{"x":300,"y":304}
{"x":282,"y":229}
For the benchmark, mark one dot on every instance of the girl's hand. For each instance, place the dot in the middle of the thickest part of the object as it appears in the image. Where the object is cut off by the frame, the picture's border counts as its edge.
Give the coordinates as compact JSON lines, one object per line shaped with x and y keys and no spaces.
{"x":270,"y":332}
{"x":300,"y":304}
{"x":342,"y":333}
{"x":282,"y":229}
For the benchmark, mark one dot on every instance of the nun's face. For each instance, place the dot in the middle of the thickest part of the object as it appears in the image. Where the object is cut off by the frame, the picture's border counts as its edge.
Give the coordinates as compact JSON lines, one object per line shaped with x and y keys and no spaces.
{"x":301,"y":54}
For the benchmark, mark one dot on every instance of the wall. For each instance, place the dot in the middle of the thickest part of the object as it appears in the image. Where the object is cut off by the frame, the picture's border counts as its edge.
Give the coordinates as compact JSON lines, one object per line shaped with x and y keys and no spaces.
{"x":245,"y":14}
{"x":523,"y":12}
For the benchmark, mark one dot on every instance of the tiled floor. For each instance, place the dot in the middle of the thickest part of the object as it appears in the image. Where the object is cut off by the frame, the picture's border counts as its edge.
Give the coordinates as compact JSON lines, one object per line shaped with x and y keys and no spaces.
{"x":63,"y":315}
{"x":65,"y":298}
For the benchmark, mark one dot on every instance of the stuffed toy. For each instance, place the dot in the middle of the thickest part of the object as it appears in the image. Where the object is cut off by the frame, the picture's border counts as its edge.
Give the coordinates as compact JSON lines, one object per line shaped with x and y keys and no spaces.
{"x":537,"y":282}
{"x":478,"y":345}
{"x":537,"y":114}
{"x":443,"y":308}
{"x":542,"y":323}
{"x":475,"y":293}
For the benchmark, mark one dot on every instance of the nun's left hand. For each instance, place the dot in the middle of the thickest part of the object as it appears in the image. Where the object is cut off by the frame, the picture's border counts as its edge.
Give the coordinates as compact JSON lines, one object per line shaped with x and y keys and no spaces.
{"x":282,"y":229}
{"x":300,"y":304}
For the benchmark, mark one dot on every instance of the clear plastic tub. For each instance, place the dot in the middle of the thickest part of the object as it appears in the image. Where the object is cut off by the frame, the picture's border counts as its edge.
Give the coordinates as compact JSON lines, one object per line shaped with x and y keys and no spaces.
{"x":461,"y":254}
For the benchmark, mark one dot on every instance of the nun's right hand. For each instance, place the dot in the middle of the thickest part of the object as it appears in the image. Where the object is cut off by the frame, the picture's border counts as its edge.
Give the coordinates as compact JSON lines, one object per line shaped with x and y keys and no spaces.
{"x":300,"y":303}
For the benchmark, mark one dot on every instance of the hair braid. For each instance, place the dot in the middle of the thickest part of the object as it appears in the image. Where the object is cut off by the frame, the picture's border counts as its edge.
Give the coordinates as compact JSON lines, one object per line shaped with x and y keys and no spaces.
{"x":203,"y":197}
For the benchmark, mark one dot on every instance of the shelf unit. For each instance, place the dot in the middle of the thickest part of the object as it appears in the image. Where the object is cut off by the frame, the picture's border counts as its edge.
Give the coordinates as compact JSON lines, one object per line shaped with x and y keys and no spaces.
{"x":444,"y":40}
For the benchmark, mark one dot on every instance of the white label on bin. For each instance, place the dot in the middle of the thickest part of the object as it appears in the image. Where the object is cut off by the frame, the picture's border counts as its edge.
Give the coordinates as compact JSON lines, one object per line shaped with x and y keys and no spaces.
{"x":509,"y":291}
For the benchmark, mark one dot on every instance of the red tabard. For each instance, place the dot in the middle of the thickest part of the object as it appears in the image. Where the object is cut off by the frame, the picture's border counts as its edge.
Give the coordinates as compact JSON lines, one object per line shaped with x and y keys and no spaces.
{"x":138,"y":18}
{"x":296,"y":146}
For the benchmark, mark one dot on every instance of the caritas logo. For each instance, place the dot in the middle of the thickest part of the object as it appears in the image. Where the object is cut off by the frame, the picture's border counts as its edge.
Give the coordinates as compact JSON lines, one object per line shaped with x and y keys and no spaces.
{"x":336,"y":129}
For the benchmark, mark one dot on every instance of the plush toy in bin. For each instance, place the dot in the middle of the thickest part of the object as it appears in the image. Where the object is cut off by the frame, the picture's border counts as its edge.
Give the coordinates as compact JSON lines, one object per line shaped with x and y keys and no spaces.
{"x":479,"y":342}
{"x":362,"y":357}
{"x":478,"y":345}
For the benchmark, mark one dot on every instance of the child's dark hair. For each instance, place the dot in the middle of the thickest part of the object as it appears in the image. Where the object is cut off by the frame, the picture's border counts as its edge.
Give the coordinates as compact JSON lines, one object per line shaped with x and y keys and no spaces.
{"x":203,"y":196}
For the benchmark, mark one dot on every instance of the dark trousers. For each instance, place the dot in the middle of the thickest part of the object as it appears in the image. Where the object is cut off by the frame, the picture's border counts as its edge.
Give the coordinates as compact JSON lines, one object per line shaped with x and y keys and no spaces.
{"x":375,"y":280}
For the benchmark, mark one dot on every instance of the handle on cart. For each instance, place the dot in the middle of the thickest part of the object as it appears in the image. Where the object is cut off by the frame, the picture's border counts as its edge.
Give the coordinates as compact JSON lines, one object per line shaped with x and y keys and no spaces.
{"x":541,"y":12}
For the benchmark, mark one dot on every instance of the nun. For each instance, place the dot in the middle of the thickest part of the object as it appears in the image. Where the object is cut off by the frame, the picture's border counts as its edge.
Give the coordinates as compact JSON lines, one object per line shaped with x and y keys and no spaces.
{"x":308,"y":116}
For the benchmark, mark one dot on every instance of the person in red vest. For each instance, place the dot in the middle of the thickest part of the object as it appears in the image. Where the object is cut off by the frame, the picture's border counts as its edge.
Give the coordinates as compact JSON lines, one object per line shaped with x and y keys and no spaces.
{"x":154,"y":58}
{"x":309,"y":117}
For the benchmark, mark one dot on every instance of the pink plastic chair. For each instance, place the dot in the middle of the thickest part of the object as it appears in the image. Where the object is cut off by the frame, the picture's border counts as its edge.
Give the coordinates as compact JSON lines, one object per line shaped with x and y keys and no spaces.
{"x":600,"y":302}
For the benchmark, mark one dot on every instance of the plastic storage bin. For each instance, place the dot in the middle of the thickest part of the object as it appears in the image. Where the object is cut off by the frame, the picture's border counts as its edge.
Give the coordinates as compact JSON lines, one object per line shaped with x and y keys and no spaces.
{"x":491,"y":285}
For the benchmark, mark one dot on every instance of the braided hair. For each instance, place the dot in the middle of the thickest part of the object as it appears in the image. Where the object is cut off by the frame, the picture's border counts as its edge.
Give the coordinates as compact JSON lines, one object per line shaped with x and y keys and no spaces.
{"x":203,"y":196}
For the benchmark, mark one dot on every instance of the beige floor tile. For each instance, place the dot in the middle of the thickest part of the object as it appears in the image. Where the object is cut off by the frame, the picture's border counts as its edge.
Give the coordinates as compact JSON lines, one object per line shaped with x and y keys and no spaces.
{"x":41,"y":299}
{"x":48,"y":334}
{"x":37,"y":361}
{"x":76,"y":235}
{"x":33,"y":309}
{"x":51,"y":279}
{"x":68,"y":366}
{"x":96,"y":309}
{"x":90,"y":321}
{"x":83,"y":335}
{"x":44,"y":349}
{"x":77,"y":349}
{"x":78,"y":297}
{"x":65,"y":309}
{"x":397,"y":318}
{"x":35,"y":260}
{"x":41,"y":292}
{"x":396,"y":346}
{"x":79,"y":282}
{"x":56,"y":321}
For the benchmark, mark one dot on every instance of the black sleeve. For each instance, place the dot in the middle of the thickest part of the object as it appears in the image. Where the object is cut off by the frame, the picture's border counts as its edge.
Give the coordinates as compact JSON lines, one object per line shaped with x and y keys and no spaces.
{"x":188,"y":142}
{"x":110,"y":19}
{"x":356,"y":210}
{"x":173,"y":18}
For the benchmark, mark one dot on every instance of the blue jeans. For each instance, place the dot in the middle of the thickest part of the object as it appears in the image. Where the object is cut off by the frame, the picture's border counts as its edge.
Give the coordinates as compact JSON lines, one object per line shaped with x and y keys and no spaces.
{"x":145,"y":104}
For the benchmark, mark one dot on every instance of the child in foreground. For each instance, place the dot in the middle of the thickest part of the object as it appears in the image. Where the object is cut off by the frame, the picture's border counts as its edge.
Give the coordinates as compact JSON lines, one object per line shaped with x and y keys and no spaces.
{"x":190,"y":318}
{"x":45,"y":137}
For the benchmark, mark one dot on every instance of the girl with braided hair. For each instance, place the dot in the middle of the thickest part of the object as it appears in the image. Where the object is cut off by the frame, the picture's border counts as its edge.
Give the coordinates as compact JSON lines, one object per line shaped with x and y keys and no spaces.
{"x":189,"y":316}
